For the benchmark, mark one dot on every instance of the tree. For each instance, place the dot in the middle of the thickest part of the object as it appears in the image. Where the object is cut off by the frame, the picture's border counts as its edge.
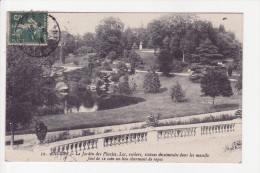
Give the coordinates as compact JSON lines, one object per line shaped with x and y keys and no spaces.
{"x":122,"y":69}
{"x":135,"y":60}
{"x":177,"y":94}
{"x":230,"y":69}
{"x":123,"y":85}
{"x":151,"y":82}
{"x":207,"y":52}
{"x":188,"y":43}
{"x":157,"y":33}
{"x":214,"y":83}
{"x":89,"y":39}
{"x":129,"y":38}
{"x":83,"y":50}
{"x":69,"y":43}
{"x":83,"y":83}
{"x":27,"y":88}
{"x":112,"y":55}
{"x":228,"y":46}
{"x":109,"y":34}
{"x":221,"y":28}
{"x":239,"y":82}
{"x":165,"y":60}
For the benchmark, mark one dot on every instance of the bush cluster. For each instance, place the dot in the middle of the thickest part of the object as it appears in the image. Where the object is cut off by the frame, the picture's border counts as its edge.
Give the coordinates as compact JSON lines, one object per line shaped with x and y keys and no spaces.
{"x":177,"y":94}
{"x":151,"y":82}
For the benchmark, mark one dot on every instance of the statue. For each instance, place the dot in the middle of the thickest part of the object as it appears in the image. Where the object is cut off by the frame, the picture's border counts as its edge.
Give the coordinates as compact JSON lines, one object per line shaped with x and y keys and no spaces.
{"x":141,"y":45}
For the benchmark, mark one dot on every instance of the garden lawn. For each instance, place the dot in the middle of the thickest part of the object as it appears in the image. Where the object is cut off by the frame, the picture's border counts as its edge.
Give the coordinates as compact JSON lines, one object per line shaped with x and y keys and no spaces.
{"x":81,"y":59}
{"x":153,"y":104}
{"x":149,"y":59}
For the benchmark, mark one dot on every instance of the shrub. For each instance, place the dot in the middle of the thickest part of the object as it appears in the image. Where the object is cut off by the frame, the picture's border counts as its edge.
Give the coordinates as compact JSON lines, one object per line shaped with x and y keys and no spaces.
{"x":123,"y":86}
{"x":135,"y":60}
{"x":230,"y":69}
{"x":177,"y":94}
{"x":122,"y":68}
{"x":195,"y":120}
{"x":108,"y":130}
{"x":184,"y":64}
{"x":140,"y":67}
{"x":75,"y":62}
{"x":114,"y":77}
{"x":196,"y":78}
{"x":92,"y":58}
{"x":165,"y":60}
{"x":83,"y":83}
{"x":151,"y":82}
{"x":50,"y":110}
{"x":177,"y":66}
{"x":83,"y":50}
{"x":114,"y":88}
{"x":87,"y":132}
{"x":107,"y":67}
{"x":59,"y":137}
{"x":112,"y":55}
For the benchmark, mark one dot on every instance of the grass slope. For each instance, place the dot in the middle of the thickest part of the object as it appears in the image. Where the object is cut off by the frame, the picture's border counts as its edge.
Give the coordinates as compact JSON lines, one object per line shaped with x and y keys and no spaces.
{"x":154,"y":103}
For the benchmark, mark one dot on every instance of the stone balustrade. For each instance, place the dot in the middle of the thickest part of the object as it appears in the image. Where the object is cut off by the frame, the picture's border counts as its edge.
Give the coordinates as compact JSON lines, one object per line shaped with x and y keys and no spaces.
{"x":222,"y":128}
{"x":125,"y":139}
{"x":75,"y":146}
{"x":176,"y":133}
{"x":149,"y":136}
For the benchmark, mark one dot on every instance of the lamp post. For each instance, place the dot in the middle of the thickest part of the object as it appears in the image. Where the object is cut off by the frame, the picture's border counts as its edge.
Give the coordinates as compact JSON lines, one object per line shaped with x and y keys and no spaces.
{"x":76,"y":46}
{"x":12,"y":134}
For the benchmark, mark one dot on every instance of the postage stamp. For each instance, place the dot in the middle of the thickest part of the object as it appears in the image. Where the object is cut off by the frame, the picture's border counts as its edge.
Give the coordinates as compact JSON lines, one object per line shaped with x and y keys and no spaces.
{"x":28,"y":28}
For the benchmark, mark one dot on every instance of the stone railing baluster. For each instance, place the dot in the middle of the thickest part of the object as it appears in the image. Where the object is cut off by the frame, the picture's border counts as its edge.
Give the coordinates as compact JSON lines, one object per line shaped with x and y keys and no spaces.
{"x":150,"y":135}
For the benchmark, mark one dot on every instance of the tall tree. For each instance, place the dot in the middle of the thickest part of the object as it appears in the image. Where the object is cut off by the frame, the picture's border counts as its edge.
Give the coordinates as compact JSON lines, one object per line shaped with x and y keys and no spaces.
{"x":89,"y":39}
{"x":228,"y":45}
{"x":157,"y":33}
{"x":69,"y":43}
{"x":135,"y":60}
{"x":129,"y":38}
{"x":27,"y":88}
{"x":151,"y":82}
{"x":188,"y":43}
{"x":214,"y":83}
{"x":109,"y":36}
{"x":207,"y":52}
{"x":164,"y":61}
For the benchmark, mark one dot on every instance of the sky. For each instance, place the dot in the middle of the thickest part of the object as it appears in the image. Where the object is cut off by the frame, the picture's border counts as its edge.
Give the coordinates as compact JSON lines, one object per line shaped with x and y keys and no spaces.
{"x":80,"y":23}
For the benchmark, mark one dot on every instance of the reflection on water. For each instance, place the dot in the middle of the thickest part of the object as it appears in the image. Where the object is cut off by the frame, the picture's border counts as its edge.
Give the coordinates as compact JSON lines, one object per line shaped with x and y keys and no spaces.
{"x":76,"y":102}
{"x":81,"y":108}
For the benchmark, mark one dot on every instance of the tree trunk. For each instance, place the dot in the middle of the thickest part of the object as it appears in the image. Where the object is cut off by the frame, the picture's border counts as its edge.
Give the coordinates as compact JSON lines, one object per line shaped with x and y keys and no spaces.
{"x":62,"y":58}
{"x":12,"y":134}
{"x":183,"y":57}
{"x":65,"y":107}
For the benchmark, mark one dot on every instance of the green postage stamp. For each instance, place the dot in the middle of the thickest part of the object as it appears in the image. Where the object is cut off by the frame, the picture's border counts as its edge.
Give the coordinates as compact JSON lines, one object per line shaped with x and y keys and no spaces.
{"x":27,"y":28}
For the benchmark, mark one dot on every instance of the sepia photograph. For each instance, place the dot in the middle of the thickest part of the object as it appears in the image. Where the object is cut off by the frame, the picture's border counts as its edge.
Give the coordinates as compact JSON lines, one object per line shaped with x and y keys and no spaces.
{"x":124,"y":87}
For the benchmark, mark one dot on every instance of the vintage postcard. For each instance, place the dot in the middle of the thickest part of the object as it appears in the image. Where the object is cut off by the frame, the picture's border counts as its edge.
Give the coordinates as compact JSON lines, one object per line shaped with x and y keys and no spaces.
{"x":124,"y":87}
